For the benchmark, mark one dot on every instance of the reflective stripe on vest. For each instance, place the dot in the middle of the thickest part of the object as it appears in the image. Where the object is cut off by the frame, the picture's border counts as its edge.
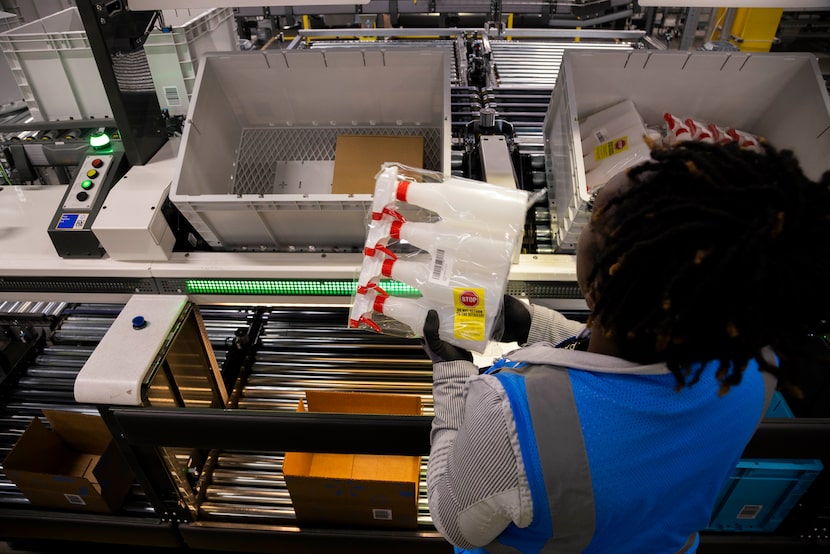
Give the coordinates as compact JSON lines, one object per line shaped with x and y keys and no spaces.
{"x":559,"y":478}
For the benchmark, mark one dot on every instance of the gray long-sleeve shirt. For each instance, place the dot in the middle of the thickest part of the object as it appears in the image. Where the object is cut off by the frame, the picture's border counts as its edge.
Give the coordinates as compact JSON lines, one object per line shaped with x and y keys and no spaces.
{"x":476,"y":479}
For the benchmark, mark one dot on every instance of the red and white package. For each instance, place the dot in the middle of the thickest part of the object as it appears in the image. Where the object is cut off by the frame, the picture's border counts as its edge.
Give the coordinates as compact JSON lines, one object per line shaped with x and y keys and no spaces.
{"x":744,"y":139}
{"x":699,"y":131}
{"x":719,"y":134}
{"x":676,"y":129}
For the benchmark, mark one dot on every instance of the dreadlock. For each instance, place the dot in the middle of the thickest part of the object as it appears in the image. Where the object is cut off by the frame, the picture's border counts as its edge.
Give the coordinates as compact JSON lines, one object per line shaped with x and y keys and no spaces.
{"x":716,"y":253}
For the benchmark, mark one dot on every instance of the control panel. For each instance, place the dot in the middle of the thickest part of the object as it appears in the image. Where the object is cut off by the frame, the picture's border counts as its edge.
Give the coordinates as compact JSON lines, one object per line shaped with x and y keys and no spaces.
{"x":71,"y":227}
{"x":87,"y":185}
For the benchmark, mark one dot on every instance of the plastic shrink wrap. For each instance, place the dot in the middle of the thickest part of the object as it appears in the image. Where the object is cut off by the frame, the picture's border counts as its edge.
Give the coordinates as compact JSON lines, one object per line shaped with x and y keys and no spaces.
{"x":454,"y":254}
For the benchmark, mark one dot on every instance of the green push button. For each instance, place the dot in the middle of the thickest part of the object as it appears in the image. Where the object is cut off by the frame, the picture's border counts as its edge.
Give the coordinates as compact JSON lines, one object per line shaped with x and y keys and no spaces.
{"x":86,"y":184}
{"x":99,"y":140}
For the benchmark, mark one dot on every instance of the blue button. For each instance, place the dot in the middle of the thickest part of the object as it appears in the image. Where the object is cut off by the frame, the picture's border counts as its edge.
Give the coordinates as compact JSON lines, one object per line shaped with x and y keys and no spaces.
{"x":139,"y":322}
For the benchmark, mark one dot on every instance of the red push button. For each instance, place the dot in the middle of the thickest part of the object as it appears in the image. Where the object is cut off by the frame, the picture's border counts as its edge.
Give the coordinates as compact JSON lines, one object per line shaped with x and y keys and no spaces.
{"x":97,"y":163}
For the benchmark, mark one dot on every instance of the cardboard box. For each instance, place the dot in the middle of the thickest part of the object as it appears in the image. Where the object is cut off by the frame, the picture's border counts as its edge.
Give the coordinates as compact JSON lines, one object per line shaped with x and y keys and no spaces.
{"x":359,"y":490}
{"x":358,"y":158}
{"x":74,"y":466}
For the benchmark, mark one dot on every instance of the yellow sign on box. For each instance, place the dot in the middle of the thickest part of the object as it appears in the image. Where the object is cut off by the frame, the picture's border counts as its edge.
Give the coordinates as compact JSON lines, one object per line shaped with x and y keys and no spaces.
{"x":610,"y":148}
{"x":470,"y":314}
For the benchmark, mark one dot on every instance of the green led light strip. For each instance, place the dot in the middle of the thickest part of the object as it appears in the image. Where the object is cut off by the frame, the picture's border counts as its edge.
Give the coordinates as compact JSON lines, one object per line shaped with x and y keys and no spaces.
{"x":290,"y":287}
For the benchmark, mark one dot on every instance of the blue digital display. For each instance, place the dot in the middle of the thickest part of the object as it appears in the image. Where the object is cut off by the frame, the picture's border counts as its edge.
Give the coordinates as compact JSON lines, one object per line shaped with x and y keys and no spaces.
{"x":67,"y":221}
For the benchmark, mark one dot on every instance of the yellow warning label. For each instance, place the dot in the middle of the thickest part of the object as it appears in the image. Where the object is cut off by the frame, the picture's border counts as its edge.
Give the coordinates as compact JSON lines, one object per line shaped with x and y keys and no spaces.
{"x":608,"y":149}
{"x":470,"y":314}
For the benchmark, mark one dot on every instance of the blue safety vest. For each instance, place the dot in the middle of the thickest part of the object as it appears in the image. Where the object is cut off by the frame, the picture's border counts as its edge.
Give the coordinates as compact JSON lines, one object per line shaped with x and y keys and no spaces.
{"x":619,"y":461}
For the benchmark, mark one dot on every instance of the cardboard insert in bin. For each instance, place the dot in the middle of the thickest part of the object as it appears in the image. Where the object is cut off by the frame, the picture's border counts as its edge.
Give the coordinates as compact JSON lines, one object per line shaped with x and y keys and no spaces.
{"x":74,"y":466}
{"x":361,"y":490}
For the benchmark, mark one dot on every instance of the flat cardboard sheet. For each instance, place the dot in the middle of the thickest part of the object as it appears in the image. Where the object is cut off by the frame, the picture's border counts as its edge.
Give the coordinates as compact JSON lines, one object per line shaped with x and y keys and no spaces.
{"x":358,"y":158}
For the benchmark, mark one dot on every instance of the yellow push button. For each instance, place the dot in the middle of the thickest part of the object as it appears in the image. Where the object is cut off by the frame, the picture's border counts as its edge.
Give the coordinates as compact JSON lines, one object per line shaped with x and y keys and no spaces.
{"x":92,"y":173}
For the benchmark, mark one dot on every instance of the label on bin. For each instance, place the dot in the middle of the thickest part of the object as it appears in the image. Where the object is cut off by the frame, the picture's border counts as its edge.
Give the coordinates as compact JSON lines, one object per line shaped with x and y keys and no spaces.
{"x":610,"y":148}
{"x":74,"y":499}
{"x":750,"y":511}
{"x":381,"y":513}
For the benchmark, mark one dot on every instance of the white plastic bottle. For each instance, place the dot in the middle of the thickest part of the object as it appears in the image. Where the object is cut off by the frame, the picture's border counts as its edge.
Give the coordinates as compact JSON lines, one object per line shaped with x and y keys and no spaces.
{"x":475,"y":203}
{"x":437,"y":281}
{"x":479,"y":247}
{"x":464,"y":328}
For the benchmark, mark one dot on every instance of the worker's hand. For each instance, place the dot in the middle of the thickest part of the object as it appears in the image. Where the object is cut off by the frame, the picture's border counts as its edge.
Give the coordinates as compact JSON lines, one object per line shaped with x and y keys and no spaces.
{"x":438,"y":350}
{"x":515,"y":316}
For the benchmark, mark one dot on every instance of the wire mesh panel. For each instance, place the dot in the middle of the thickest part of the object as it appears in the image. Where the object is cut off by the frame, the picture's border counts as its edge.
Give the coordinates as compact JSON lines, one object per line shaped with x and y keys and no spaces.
{"x":262,"y":149}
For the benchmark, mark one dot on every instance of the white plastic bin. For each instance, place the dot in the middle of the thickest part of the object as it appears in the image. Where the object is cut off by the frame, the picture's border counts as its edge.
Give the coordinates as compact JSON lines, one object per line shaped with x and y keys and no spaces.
{"x":780,"y":96}
{"x":55,"y":70}
{"x":8,"y":20}
{"x":14,"y":13}
{"x":10,"y":97}
{"x":174,"y":56}
{"x":256,"y":164}
{"x":32,"y":10}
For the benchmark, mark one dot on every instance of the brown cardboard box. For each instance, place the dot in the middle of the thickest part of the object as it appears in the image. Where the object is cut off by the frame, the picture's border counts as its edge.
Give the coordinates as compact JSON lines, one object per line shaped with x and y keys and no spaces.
{"x":358,"y":158}
{"x":74,"y":466}
{"x":355,"y":489}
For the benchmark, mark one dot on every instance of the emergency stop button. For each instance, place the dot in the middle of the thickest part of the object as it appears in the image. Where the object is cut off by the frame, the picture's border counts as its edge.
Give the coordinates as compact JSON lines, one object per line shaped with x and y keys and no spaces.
{"x":97,"y":163}
{"x":92,"y":173}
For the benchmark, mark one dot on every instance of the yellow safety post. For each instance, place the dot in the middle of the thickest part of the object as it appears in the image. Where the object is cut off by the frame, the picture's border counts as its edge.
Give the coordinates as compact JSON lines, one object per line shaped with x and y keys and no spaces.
{"x":307,"y":26}
{"x":754,"y":28}
{"x":370,"y":38}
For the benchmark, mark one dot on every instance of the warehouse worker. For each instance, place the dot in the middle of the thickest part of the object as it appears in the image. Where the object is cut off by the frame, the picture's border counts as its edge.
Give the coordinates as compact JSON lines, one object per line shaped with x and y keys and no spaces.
{"x":704,"y":269}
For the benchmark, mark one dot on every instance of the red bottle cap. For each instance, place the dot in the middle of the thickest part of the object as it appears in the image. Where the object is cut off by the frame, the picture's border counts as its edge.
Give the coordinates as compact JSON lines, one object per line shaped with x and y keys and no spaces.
{"x":386,"y":269}
{"x":403,"y":186}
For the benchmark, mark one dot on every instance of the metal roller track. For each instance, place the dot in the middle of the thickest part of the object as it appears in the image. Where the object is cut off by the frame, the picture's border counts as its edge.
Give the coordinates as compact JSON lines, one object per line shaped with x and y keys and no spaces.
{"x":318,"y":351}
{"x":49,"y":381}
{"x":250,"y":488}
{"x":524,"y":74}
{"x":536,"y":63}
{"x":24,"y":308}
{"x":300,"y":349}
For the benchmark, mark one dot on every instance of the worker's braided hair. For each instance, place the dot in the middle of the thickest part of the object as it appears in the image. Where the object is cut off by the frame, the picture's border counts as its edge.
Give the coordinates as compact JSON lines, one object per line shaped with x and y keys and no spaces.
{"x":715,"y":253}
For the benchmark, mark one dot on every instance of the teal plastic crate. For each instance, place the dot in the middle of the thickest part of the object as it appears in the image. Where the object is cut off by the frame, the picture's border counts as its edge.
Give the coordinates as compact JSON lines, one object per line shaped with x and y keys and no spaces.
{"x":778,"y":408}
{"x":761,"y":493}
